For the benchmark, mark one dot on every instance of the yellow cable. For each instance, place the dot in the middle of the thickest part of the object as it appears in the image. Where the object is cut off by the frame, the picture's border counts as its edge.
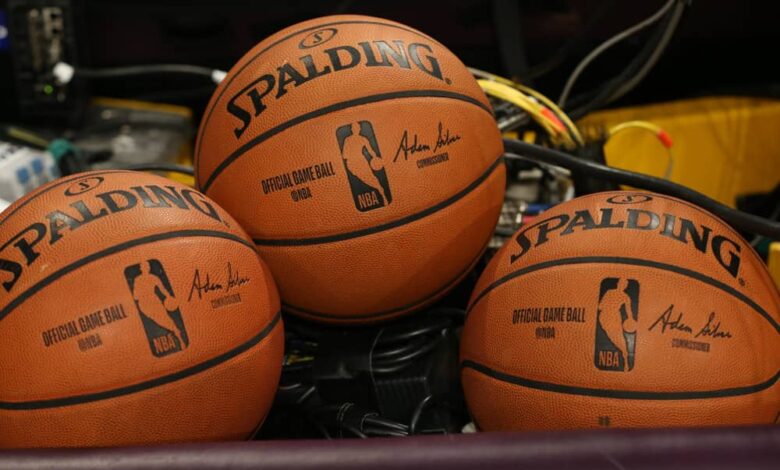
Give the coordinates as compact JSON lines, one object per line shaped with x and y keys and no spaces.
{"x":638,"y":124}
{"x":571,"y":127}
{"x":512,"y":95}
{"x":506,"y":93}
{"x":554,"y":107}
{"x":659,"y":133}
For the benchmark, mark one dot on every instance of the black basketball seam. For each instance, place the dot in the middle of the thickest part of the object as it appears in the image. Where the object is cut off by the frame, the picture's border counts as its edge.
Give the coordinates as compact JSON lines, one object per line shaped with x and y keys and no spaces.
{"x":620,"y":394}
{"x":370,"y":99}
{"x":153,"y":383}
{"x":386,"y":226}
{"x":57,"y":185}
{"x":235,"y":74}
{"x":449,"y":284}
{"x":32,"y":290}
{"x":632,"y":262}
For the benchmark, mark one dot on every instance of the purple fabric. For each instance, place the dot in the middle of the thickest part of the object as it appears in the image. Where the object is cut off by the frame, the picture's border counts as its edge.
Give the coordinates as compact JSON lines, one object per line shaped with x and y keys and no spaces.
{"x":713,"y":448}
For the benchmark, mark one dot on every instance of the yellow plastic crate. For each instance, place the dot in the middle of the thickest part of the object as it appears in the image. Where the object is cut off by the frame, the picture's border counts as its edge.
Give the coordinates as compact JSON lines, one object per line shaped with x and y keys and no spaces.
{"x":722,"y":147}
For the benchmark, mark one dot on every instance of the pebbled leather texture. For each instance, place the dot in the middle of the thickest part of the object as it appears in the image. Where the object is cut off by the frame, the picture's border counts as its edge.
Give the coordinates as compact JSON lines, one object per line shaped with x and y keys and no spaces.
{"x":363,"y":159}
{"x":623,"y":309}
{"x":135,"y":310}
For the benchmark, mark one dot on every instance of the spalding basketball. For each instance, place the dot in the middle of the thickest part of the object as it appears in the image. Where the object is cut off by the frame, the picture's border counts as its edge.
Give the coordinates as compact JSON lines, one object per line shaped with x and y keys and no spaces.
{"x":364,"y":161}
{"x":133,"y":310}
{"x":623,"y":309}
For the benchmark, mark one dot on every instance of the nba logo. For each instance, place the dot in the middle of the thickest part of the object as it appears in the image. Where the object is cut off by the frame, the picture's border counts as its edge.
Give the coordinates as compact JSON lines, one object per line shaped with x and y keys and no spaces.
{"x":157,"y":306}
{"x":616,"y":319}
{"x":365,"y":166}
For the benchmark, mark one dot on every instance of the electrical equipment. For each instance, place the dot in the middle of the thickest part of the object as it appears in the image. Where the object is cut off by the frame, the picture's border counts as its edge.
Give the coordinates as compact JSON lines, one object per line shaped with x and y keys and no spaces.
{"x":41,"y":34}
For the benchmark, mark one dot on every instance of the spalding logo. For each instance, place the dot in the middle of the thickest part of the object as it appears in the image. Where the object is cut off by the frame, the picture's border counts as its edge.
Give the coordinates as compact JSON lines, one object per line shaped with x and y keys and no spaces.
{"x":22,"y":249}
{"x":722,"y":248}
{"x":317,"y":37}
{"x":250,"y":101}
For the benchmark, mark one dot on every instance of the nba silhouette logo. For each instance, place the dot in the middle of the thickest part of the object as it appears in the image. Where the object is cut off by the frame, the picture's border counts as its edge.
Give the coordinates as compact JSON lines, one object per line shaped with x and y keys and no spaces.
{"x":616,"y":322}
{"x":365,"y":166}
{"x":157,"y":307}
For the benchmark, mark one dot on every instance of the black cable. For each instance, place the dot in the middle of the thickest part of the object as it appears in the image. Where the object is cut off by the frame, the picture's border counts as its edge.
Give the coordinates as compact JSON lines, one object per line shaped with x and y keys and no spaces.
{"x":173,"y":96}
{"x":401,"y":345}
{"x":386,"y":423}
{"x":659,"y":15}
{"x":320,"y":427}
{"x":384,"y":370}
{"x":354,"y":430}
{"x":167,"y":167}
{"x":378,"y":432}
{"x":655,"y":56}
{"x":391,"y":353}
{"x":401,"y":362}
{"x":741,"y":220}
{"x":418,"y":411}
{"x":396,"y":334}
{"x":603,"y":94}
{"x":306,"y":395}
{"x":298,"y":366}
{"x":563,"y":52}
{"x":289,"y":387}
{"x":759,"y":238}
{"x":126,"y":71}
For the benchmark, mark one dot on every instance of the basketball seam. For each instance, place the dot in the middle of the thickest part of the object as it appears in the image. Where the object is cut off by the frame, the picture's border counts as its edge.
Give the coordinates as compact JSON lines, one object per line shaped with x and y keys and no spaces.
{"x":370,"y":99}
{"x":448,"y":285}
{"x":632,"y":262}
{"x":57,"y":185}
{"x":389,"y":225}
{"x":271,"y":46}
{"x":620,"y":394}
{"x":32,"y":290}
{"x":153,"y":383}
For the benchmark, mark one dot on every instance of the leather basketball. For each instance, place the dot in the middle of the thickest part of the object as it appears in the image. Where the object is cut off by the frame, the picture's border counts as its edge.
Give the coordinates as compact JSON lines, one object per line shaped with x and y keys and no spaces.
{"x":133,"y":310}
{"x":623,"y":309}
{"x":364,"y":161}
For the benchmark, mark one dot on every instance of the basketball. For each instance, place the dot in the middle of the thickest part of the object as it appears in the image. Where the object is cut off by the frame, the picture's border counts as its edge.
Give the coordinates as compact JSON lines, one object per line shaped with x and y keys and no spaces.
{"x":623,"y":309}
{"x":362,"y":158}
{"x":133,"y":310}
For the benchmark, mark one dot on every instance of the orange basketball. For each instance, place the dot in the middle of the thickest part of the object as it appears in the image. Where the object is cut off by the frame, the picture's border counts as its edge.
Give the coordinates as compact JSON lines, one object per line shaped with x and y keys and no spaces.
{"x":133,"y":310}
{"x":623,"y":309}
{"x":362,"y":158}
